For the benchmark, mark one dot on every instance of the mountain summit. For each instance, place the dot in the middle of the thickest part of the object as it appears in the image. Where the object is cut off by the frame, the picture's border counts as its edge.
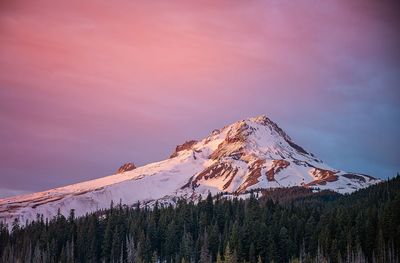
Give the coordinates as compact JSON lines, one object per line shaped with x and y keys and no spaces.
{"x":249,"y":154}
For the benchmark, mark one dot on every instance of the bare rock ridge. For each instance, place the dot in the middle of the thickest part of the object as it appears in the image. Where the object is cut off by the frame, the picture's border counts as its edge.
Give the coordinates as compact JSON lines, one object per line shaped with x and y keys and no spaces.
{"x":126,"y":167}
{"x":249,"y":154}
{"x":182,"y":147}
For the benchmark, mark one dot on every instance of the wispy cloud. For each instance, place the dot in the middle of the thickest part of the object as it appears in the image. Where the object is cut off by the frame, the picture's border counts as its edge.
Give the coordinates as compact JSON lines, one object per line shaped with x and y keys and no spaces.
{"x":86,"y":86}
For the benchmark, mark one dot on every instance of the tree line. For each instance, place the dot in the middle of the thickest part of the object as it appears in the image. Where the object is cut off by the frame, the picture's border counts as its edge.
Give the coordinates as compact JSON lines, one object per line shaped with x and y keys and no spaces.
{"x":281,"y":225}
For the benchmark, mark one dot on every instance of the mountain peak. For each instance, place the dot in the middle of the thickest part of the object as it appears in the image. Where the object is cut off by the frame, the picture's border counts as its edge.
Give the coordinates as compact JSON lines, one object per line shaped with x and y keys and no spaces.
{"x":261,"y":136}
{"x":250,"y":154}
{"x":261,"y":119}
{"x":265,"y":121}
{"x":255,"y":123}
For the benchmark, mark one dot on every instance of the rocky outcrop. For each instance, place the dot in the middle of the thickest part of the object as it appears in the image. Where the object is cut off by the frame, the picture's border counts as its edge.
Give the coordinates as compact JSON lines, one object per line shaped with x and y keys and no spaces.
{"x":359,"y":177}
{"x":277,"y":166}
{"x":253,"y":176}
{"x":234,"y":141}
{"x":182,"y":147}
{"x":126,"y":167}
{"x":322,"y":177}
{"x":224,"y":170}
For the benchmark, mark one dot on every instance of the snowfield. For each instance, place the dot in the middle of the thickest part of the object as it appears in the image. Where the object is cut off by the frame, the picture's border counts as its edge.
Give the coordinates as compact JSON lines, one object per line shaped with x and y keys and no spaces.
{"x":249,"y":154}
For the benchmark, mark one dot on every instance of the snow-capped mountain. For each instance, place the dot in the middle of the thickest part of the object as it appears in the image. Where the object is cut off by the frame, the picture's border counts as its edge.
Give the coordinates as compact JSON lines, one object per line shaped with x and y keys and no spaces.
{"x":249,"y":154}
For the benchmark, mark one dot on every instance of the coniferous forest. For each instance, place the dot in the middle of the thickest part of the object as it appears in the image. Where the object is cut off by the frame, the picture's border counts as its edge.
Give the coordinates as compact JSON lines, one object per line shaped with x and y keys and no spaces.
{"x":282,"y":225}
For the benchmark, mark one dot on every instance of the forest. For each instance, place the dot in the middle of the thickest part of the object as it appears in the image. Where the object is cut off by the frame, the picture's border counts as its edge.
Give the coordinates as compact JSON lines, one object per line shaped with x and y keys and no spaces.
{"x":281,"y":225}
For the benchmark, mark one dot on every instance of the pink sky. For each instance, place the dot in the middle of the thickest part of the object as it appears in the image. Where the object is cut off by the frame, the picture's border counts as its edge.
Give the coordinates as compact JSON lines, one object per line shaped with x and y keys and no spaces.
{"x":88,"y":85}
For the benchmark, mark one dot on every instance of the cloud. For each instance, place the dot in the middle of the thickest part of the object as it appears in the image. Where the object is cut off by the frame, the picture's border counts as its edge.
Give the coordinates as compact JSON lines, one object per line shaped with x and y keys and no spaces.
{"x":87,"y":86}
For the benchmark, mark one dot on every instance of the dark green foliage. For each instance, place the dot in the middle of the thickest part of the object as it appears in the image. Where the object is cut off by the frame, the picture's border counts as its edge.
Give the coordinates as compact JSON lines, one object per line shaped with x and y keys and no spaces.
{"x":285,"y":225}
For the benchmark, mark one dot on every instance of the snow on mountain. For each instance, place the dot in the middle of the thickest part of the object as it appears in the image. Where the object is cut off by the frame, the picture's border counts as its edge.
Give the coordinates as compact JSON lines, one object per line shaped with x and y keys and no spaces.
{"x":249,"y":154}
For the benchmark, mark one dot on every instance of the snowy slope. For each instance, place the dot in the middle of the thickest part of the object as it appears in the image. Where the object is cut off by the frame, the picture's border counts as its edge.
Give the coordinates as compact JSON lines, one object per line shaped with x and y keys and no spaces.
{"x":249,"y":154}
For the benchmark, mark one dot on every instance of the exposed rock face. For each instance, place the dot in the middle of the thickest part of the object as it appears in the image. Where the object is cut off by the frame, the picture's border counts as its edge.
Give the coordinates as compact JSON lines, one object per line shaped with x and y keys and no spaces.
{"x":360,"y":177}
{"x":253,"y":176}
{"x":323,"y":176}
{"x":126,"y":167}
{"x":277,"y":166}
{"x":234,"y":143}
{"x":182,"y":147}
{"x":222,"y":171}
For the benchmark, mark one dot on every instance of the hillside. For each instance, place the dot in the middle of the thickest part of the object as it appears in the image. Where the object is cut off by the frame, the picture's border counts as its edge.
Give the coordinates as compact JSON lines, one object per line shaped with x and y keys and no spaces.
{"x":312,"y":227}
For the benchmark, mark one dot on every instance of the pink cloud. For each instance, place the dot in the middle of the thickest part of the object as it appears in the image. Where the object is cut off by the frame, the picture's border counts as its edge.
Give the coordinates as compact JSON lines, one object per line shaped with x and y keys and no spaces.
{"x":108,"y":77}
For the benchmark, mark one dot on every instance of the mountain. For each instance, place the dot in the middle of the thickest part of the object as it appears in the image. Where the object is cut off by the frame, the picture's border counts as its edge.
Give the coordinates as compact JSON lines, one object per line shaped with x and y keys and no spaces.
{"x":247,"y":155}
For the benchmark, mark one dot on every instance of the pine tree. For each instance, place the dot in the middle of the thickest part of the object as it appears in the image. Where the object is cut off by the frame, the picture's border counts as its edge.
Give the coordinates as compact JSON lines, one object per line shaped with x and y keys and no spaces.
{"x":70,"y":252}
{"x":115,"y":245}
{"x":228,"y":256}
{"x":107,"y":241}
{"x":204,"y":252}
{"x":219,"y":260}
{"x":121,"y":255}
{"x":28,"y":253}
{"x":139,"y":252}
{"x":283,"y":244}
{"x":37,"y":254}
{"x":130,"y":250}
{"x":252,"y":254}
{"x":187,"y":246}
{"x":154,"y":258}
